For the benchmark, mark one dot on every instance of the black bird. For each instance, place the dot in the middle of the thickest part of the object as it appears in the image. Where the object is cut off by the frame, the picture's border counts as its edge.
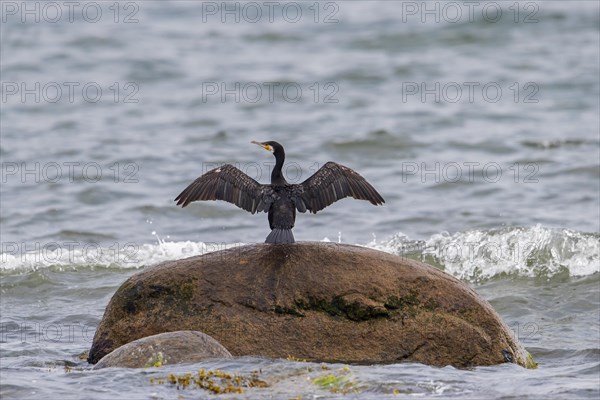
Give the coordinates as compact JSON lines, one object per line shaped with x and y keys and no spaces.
{"x":280,"y":199}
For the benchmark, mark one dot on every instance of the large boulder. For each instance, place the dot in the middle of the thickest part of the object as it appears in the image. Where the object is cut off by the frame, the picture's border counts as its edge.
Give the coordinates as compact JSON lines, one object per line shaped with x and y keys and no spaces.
{"x":163,"y":349}
{"x":313,"y":301}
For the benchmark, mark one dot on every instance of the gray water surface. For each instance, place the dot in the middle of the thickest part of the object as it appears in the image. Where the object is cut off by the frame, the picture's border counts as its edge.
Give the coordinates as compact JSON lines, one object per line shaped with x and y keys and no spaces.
{"x":482,"y":134}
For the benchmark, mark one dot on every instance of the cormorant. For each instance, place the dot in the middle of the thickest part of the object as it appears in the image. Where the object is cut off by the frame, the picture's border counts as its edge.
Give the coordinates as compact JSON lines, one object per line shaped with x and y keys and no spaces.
{"x":280,"y":199}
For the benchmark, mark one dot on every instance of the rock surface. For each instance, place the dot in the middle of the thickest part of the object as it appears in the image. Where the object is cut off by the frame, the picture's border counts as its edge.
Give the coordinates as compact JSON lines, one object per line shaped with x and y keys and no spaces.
{"x":164,"y":348}
{"x":314,"y":301}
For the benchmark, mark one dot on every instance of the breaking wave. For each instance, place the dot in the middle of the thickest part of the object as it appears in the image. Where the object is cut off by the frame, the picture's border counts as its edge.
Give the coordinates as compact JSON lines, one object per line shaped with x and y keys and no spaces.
{"x":473,"y":256}
{"x":478,"y":255}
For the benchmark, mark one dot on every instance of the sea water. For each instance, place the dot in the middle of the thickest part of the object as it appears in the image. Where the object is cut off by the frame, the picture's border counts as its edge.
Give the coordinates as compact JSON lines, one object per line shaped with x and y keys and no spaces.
{"x":478,"y":123}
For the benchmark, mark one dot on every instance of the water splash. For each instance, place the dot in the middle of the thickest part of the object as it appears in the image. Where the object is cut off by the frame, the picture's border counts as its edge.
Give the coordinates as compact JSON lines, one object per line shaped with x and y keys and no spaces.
{"x":478,"y":255}
{"x":474,"y":255}
{"x":123,"y":256}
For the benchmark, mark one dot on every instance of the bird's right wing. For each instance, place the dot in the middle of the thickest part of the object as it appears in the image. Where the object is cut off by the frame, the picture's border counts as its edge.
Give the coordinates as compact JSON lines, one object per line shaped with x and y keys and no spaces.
{"x":331,"y":183}
{"x":230,"y":184}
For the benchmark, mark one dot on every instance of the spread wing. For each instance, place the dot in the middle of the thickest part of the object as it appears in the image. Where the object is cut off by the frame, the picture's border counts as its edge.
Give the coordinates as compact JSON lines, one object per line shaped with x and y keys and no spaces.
{"x":331,"y":183}
{"x":230,"y":184}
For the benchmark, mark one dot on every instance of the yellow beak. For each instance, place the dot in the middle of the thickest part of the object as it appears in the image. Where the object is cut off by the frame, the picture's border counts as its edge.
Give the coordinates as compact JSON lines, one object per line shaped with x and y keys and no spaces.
{"x":264,"y":146}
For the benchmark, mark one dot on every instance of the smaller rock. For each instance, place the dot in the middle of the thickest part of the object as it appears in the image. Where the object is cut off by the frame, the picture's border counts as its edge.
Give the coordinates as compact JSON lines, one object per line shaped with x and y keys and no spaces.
{"x":165,"y":348}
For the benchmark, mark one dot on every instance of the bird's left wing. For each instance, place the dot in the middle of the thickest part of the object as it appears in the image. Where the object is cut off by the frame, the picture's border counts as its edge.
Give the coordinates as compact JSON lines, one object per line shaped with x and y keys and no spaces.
{"x":230,"y":184}
{"x":331,"y":183}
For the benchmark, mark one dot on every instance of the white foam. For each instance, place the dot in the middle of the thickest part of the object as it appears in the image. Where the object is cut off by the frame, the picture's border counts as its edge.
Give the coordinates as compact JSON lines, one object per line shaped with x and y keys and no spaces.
{"x":64,"y":256}
{"x":472,"y":255}
{"x":524,"y":251}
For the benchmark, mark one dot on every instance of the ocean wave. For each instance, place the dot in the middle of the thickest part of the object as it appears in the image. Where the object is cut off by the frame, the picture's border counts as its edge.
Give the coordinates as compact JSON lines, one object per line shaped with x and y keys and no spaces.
{"x":477,"y":255}
{"x":68,"y":257}
{"x":472,"y":256}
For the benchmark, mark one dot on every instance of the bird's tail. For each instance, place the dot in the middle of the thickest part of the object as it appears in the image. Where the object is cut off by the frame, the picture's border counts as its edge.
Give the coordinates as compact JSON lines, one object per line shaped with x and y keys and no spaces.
{"x":278,"y":235}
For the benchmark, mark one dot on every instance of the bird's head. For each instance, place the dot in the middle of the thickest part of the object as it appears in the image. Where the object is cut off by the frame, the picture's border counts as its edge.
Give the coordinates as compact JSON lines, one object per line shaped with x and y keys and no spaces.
{"x":273,"y":147}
